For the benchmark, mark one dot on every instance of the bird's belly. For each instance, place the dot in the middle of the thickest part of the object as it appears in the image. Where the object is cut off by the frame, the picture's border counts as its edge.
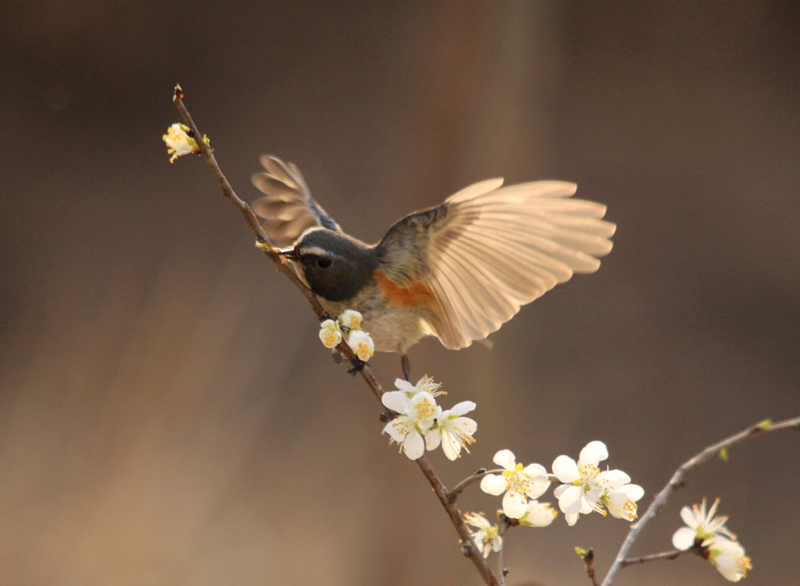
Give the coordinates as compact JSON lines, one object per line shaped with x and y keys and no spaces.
{"x":393,"y":327}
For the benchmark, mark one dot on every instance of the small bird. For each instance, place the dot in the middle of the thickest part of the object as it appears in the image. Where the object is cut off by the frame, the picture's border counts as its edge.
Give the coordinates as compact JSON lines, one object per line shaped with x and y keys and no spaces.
{"x":457,"y":271}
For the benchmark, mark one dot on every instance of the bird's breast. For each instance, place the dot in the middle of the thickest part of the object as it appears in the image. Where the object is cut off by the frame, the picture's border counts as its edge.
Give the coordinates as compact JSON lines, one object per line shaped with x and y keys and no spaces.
{"x":395,"y":317}
{"x":415,"y":295}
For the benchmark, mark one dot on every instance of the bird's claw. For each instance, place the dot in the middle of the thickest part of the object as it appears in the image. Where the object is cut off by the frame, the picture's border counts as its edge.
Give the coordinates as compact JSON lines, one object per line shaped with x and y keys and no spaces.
{"x":406,"y":365}
{"x":356,"y":366}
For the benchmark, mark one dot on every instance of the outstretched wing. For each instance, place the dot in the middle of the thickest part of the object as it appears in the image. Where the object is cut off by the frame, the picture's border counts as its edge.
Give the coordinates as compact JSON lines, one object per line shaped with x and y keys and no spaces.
{"x":287,"y":205}
{"x":488,"y":250}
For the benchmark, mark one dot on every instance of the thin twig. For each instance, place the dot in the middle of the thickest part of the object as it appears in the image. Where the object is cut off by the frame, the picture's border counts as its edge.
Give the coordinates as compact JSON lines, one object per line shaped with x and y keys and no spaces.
{"x":677,"y":481}
{"x":461,"y":486}
{"x":502,"y":527}
{"x":664,"y":555}
{"x":470,"y":480}
{"x":263,"y":243}
{"x":588,"y":561}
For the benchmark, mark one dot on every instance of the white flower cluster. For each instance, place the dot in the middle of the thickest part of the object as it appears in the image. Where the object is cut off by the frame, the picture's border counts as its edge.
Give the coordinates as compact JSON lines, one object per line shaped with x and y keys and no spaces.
{"x":517,"y":482}
{"x":422,"y":423}
{"x":349,"y":324}
{"x":707,"y":532}
{"x":585,"y":488}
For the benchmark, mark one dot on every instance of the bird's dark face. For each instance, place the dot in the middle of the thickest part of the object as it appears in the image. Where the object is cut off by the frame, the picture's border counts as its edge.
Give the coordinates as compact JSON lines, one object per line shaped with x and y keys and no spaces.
{"x":335,"y":265}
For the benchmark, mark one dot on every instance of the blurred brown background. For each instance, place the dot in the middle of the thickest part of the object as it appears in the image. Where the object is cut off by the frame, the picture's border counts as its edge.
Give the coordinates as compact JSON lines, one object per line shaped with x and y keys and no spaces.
{"x":167,"y":414}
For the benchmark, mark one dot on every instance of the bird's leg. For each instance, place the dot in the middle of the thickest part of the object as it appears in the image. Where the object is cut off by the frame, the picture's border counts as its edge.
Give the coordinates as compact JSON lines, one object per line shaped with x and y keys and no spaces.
{"x":406,"y":364}
{"x":356,"y":366}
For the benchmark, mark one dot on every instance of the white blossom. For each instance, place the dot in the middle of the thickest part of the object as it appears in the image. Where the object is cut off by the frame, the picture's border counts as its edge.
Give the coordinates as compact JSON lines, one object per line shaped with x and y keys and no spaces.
{"x":178,"y":142}
{"x":330,"y":334}
{"x":621,"y":502}
{"x":487,"y":537}
{"x":701,"y":526}
{"x":707,"y":530}
{"x":424,"y":384}
{"x":452,"y":430}
{"x":587,"y":489}
{"x":728,"y":557}
{"x":351,"y":319}
{"x":362,"y":344}
{"x":538,"y":514}
{"x":415,"y":418}
{"x":518,"y":483}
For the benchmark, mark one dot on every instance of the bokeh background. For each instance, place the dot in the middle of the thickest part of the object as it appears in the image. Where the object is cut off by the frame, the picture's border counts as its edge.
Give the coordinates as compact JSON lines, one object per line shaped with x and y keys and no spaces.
{"x":167,"y":414}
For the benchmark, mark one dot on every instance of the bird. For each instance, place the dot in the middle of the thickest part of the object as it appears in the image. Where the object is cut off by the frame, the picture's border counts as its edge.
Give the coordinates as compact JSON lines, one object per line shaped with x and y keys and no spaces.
{"x":457,"y":271}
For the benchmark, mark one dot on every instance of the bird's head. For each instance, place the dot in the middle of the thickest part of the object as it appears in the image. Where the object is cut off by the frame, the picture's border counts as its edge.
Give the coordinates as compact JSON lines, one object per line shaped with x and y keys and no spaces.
{"x":335,"y":265}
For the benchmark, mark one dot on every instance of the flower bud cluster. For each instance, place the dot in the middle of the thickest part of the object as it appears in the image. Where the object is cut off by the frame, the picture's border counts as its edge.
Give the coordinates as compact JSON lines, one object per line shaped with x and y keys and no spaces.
{"x":179,"y":142}
{"x":348,"y":327}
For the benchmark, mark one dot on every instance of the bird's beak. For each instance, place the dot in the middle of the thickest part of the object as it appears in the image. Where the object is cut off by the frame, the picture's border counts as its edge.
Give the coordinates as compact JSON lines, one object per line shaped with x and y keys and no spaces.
{"x":289,"y":253}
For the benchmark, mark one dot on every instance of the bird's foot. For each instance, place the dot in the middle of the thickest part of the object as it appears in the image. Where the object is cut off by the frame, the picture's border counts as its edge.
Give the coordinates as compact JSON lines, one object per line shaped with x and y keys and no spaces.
{"x":406,"y":364}
{"x":356,"y":366}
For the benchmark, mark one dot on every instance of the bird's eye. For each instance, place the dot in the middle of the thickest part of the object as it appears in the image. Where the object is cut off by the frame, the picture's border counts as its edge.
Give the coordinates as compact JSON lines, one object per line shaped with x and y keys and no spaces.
{"x":324,"y":263}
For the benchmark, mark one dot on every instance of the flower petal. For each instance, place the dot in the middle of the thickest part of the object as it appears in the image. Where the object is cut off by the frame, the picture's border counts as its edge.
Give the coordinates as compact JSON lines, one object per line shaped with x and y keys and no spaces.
{"x":536,"y":472}
{"x":514,"y":505}
{"x":565,"y":469}
{"x":593,"y":453}
{"x":683,"y":538}
{"x":397,"y":401}
{"x":505,"y":459}
{"x":397,"y":429}
{"x":635,"y":492}
{"x":590,"y":498}
{"x":413,"y":445}
{"x":493,"y":484}
{"x":461,"y":408}
{"x":405,"y":386}
{"x":613,"y":478}
{"x":450,"y":445}
{"x":351,"y":319}
{"x":539,"y":514}
{"x":729,"y":567}
{"x":432,"y":439}
{"x":570,"y":499}
{"x":688,"y":516}
{"x":477,"y":520}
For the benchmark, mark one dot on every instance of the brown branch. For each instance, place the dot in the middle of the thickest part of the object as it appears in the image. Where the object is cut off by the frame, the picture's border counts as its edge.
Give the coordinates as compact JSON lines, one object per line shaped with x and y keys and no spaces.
{"x":502,"y":526}
{"x":677,"y":481}
{"x":461,"y":486}
{"x":458,"y":522}
{"x":266,"y":246}
{"x":263,"y":243}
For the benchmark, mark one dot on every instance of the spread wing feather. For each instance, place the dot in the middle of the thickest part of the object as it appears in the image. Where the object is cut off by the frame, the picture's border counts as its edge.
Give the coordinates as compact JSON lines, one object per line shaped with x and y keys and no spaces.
{"x":287,"y":206}
{"x":487,"y":250}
